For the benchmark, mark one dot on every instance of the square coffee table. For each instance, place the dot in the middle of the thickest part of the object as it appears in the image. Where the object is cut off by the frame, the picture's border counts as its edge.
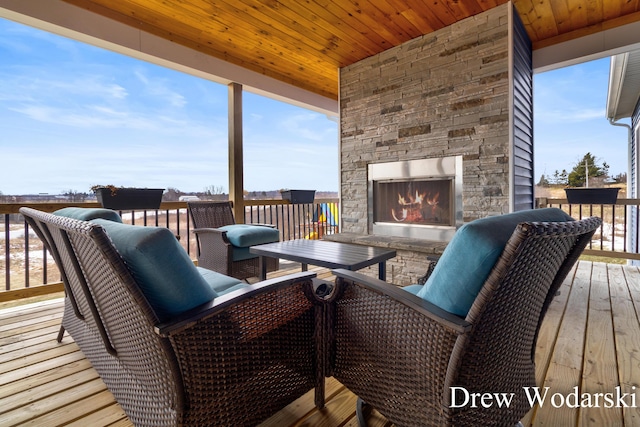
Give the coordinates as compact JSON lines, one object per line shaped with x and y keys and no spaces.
{"x":324,"y":254}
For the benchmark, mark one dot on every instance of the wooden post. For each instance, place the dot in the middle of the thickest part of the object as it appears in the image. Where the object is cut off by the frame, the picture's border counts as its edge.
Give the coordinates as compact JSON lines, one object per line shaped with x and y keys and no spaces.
{"x":236,"y":165}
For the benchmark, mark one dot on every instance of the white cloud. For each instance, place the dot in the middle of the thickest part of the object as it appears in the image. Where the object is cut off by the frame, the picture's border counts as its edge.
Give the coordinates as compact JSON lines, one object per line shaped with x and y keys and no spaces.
{"x":95,"y":116}
{"x":160,"y":88}
{"x":302,"y":125}
{"x":573,"y":114}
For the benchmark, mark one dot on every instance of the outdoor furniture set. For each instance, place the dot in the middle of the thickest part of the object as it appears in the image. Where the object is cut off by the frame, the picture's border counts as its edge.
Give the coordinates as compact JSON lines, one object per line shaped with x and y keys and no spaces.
{"x":178,"y":344}
{"x":223,"y":245}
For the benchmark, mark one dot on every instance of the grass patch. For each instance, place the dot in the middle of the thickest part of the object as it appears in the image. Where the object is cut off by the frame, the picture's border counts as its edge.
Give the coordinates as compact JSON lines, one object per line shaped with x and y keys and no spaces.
{"x":607,"y":260}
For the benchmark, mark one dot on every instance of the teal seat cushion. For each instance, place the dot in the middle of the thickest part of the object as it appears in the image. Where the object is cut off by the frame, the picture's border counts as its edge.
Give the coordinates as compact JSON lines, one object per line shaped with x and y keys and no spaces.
{"x":413,"y":289}
{"x":470,"y":256}
{"x":164,"y":272}
{"x":245,"y":235}
{"x":219,"y":282}
{"x":241,"y":254}
{"x":87,"y":214}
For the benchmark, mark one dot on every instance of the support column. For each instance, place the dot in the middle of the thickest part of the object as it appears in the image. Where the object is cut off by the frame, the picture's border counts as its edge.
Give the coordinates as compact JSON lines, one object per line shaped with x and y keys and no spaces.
{"x":236,"y":164}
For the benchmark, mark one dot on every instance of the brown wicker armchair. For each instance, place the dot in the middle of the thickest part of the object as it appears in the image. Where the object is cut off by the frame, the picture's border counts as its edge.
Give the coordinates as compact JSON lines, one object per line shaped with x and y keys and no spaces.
{"x":404,"y":356}
{"x":235,"y":360}
{"x":215,"y":251}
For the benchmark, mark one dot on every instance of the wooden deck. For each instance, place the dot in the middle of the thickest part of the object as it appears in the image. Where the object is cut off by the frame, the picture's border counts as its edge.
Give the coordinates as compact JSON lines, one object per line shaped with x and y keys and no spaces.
{"x":590,"y":339}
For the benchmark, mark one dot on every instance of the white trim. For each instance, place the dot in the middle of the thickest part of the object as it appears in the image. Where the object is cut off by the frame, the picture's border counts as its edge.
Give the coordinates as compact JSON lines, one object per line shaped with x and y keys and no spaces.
{"x":617,"y":72}
{"x":594,"y":46}
{"x":61,"y":18}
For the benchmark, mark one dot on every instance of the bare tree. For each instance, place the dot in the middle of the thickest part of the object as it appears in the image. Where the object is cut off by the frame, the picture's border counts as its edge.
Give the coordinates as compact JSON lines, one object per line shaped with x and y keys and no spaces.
{"x":75,"y":196}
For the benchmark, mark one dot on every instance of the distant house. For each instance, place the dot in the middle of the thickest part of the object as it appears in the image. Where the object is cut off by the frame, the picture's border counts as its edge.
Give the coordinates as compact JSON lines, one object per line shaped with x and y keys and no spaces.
{"x":623,"y":101}
{"x":188,"y":198}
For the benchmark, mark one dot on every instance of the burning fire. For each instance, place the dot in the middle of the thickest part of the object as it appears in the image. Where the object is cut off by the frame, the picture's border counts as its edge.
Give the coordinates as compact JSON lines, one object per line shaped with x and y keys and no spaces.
{"x":412,"y":208}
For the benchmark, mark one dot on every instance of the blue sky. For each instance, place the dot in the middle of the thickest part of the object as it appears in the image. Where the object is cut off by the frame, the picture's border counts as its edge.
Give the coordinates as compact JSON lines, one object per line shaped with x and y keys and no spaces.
{"x":74,"y":115}
{"x":570,"y":120}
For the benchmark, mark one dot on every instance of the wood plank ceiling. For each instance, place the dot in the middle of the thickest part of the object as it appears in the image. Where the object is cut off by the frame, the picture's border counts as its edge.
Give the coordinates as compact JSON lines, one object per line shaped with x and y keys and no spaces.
{"x":305,"y":42}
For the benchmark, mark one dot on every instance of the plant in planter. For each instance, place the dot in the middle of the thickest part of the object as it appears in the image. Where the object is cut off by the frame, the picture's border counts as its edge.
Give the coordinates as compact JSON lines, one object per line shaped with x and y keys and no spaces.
{"x":125,"y":198}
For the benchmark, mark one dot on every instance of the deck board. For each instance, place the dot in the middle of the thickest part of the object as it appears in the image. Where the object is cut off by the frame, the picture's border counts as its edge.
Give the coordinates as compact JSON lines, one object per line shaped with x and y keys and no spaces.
{"x":627,"y":336}
{"x":600,"y":370}
{"x":590,"y":338}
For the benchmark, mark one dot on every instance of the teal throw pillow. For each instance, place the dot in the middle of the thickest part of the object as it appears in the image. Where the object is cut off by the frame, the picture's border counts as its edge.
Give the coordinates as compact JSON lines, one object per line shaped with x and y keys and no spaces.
{"x":87,"y":214}
{"x":245,"y":235}
{"x":470,"y":256}
{"x":164,"y":272}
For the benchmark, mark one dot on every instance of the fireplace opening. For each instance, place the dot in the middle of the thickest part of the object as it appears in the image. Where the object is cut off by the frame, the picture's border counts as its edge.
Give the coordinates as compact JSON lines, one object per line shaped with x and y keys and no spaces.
{"x":420,"y":198}
{"x":420,"y":202}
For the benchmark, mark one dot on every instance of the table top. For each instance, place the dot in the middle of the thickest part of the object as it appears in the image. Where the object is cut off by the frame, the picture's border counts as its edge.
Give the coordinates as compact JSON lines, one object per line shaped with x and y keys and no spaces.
{"x":324,"y":253}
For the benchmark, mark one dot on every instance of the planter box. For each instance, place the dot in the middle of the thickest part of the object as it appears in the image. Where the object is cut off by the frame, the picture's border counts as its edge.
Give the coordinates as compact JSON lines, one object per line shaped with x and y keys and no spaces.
{"x":592,"y":196}
{"x":299,"y":196}
{"x":130,"y":198}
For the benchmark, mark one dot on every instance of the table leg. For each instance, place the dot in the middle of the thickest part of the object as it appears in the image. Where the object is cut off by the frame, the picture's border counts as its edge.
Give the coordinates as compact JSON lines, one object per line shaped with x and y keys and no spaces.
{"x":305,"y":267}
{"x":262,"y":267}
{"x":382,"y":270}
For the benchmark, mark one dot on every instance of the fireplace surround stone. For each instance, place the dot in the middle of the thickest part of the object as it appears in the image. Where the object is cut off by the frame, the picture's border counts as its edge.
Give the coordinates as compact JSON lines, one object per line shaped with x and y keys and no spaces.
{"x":448,"y":93}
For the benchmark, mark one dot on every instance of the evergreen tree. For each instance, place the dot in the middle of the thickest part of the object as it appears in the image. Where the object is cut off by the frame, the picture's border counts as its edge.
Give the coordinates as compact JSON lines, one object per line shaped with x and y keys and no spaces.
{"x":587,"y":167}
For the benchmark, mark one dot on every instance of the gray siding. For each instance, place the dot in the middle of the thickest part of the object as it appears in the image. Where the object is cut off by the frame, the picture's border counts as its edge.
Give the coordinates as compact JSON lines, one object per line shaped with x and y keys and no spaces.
{"x":523,"y":178}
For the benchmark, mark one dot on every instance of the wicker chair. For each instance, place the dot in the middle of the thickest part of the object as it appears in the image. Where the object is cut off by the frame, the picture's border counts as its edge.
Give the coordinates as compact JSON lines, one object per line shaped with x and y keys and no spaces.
{"x":215,"y":251}
{"x":402,"y":355}
{"x":233,"y":361}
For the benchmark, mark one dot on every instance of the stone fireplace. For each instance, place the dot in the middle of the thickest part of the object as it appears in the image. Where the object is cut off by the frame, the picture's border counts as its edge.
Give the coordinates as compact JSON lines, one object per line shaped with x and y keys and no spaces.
{"x":415,"y":198}
{"x":457,"y":97}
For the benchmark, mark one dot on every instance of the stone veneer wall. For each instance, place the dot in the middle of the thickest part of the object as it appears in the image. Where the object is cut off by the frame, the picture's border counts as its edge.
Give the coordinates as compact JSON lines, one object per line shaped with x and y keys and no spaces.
{"x":443,"y":94}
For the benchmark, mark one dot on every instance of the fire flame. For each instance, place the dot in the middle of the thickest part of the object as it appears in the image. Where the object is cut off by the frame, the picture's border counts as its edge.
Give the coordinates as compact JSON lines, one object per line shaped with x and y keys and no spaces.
{"x":412,"y":206}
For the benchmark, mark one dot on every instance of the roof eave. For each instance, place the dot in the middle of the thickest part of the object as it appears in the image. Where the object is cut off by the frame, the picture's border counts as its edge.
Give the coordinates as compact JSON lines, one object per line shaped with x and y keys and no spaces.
{"x":617,"y":70}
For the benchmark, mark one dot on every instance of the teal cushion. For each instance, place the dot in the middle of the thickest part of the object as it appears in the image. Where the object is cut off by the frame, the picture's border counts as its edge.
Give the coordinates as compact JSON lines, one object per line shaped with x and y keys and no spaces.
{"x":245,"y":235}
{"x":164,"y":272}
{"x":219,"y":282}
{"x":87,"y":214}
{"x":468,"y":259}
{"x":413,"y":289}
{"x":241,"y":254}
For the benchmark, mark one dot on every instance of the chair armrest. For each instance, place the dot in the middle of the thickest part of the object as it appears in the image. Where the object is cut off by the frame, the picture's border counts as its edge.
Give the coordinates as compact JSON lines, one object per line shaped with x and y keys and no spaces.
{"x":258,"y":343}
{"x":211,"y":233}
{"x":208,"y":231}
{"x":452,"y":322}
{"x":214,"y":249}
{"x":432,"y":260}
{"x":200,"y":314}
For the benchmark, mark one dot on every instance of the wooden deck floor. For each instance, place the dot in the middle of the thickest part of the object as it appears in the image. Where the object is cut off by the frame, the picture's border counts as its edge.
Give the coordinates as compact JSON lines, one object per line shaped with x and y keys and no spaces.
{"x":590,"y":339}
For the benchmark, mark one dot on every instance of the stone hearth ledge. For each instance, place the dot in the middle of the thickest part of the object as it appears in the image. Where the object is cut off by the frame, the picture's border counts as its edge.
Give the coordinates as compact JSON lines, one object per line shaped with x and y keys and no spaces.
{"x":427,"y":247}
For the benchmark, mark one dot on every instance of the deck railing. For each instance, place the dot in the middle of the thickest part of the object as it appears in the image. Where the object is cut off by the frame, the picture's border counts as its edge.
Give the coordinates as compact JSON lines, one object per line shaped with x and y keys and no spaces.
{"x":25,"y":264}
{"x":620,"y":225}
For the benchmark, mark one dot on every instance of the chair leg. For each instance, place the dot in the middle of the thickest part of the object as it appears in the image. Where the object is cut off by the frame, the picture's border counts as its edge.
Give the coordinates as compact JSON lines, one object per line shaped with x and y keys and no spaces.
{"x":363,"y":410}
{"x":60,"y":333}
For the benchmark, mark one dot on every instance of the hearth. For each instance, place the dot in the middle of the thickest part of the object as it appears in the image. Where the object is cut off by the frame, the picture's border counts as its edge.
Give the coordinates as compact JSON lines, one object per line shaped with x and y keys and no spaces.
{"x":416,"y":198}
